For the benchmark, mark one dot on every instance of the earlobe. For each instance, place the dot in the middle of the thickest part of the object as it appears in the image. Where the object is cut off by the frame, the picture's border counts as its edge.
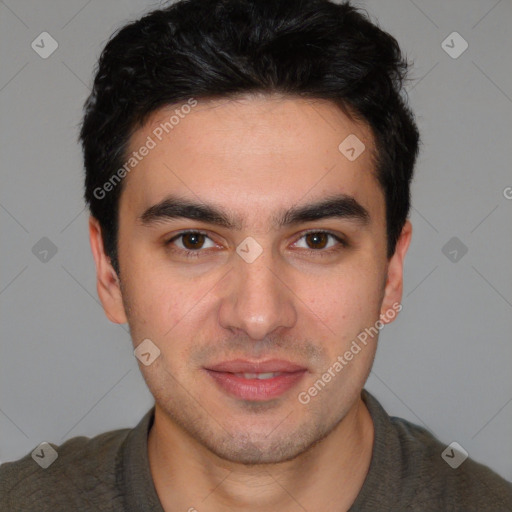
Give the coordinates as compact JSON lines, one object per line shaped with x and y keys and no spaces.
{"x":394,"y":284}
{"x":107,"y":281}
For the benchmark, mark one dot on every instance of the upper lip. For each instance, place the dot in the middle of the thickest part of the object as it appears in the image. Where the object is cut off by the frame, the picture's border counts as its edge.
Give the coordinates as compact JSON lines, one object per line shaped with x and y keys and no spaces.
{"x":244,"y":366}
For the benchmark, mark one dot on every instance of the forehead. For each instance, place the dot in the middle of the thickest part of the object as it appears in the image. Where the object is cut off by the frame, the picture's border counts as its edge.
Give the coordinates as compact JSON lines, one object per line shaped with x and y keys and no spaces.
{"x":250,"y":155}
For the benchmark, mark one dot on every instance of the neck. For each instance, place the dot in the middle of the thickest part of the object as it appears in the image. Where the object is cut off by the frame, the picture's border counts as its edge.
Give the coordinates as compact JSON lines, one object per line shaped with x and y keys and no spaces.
{"x":328,"y":476}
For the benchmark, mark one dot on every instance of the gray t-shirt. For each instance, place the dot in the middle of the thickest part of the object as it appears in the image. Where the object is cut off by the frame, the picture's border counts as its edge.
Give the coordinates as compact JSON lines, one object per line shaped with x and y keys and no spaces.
{"x":110,"y":472}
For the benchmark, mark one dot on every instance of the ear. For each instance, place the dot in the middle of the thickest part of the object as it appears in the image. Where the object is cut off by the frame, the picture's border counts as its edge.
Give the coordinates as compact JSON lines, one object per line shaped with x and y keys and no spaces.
{"x":394,"y":283}
{"x":107,"y":282}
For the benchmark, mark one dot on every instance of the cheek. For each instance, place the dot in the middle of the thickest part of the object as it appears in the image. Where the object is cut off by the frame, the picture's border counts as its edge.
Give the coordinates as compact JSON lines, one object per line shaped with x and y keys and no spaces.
{"x":161,"y":308}
{"x":156,"y":302}
{"x":347,"y":298}
{"x":168,"y":309}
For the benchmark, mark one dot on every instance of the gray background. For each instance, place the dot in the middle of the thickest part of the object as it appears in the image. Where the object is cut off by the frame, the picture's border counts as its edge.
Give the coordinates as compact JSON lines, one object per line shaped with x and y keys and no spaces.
{"x":65,"y":370}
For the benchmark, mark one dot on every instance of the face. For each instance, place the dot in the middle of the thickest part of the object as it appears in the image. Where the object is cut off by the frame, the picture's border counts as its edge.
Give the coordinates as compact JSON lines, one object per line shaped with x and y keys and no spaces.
{"x":252,"y":253}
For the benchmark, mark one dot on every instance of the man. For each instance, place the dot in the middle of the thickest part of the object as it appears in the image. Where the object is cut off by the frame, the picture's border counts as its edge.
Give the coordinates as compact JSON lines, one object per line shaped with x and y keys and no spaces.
{"x":248,"y":165}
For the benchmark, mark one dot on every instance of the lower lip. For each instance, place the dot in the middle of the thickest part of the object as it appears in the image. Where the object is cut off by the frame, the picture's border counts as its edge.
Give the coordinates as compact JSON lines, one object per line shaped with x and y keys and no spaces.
{"x":256,"y":389}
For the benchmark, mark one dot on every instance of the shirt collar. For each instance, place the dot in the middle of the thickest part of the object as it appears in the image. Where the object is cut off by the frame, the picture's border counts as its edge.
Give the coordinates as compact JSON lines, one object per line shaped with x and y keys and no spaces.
{"x":134,"y":474}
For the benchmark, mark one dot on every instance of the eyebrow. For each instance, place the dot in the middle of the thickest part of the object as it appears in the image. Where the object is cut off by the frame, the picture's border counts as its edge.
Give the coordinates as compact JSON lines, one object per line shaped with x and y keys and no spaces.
{"x":340,"y":206}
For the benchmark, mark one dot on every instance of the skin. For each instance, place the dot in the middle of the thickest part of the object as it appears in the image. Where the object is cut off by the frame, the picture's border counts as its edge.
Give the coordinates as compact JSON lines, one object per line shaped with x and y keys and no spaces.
{"x":254,"y":157}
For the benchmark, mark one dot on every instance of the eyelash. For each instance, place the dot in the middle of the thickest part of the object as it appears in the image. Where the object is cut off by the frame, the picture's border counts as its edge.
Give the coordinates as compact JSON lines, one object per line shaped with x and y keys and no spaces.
{"x":317,"y":252}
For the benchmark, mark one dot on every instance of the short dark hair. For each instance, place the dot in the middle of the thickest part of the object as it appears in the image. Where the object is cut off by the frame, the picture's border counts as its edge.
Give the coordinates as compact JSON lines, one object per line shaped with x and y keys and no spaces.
{"x":225,"y":48}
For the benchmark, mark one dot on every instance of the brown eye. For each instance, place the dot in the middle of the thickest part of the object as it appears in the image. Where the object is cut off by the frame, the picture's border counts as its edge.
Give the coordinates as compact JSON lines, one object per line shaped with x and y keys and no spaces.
{"x":317,"y":240}
{"x":193,"y":241}
{"x":321,"y":243}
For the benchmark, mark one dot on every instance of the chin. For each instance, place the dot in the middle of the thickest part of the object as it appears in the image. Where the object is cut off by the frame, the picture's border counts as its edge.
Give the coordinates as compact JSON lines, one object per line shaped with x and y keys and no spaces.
{"x":250,"y":450}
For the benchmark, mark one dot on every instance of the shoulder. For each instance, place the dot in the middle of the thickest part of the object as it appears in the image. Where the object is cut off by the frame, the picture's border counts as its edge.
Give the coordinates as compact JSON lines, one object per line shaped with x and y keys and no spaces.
{"x":444,"y":475}
{"x":413,"y":470}
{"x":84,"y":471}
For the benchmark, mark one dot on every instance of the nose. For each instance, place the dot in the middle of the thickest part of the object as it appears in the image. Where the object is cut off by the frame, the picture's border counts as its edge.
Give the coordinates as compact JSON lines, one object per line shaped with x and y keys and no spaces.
{"x":257,"y":298}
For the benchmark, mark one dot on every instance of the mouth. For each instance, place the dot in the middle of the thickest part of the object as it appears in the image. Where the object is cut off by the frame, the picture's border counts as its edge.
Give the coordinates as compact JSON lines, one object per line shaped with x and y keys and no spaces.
{"x":256,"y":381}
